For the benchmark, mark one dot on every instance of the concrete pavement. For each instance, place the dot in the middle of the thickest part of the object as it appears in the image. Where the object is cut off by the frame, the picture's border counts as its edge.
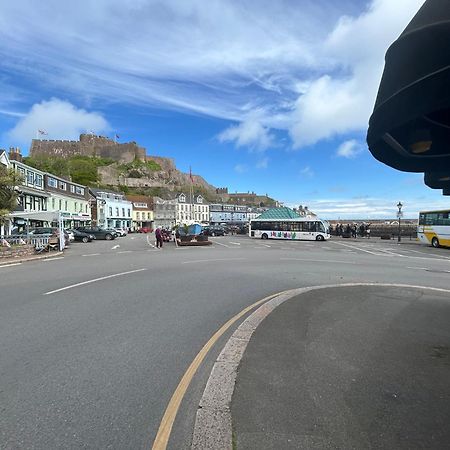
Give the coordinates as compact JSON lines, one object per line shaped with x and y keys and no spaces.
{"x":348,"y":368}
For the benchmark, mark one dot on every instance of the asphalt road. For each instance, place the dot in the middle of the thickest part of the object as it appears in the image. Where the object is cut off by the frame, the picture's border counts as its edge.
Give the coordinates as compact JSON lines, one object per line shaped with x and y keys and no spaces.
{"x":94,"y":365}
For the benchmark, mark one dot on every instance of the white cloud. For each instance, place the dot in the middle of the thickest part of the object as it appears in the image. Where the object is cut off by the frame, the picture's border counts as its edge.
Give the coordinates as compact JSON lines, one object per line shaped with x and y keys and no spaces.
{"x":240,"y":168}
{"x":311,"y":70}
{"x":262,"y":163}
{"x":306,"y":172}
{"x":250,"y":134}
{"x":349,"y":149}
{"x":60,"y":119}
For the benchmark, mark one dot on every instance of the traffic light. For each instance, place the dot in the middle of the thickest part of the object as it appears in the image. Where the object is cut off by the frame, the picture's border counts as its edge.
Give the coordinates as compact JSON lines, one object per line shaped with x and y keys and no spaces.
{"x":410,"y":125}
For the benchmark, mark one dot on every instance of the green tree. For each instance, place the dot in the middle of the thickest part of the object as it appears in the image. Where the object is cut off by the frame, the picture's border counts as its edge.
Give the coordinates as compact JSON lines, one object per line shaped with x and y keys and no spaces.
{"x":9,"y":179}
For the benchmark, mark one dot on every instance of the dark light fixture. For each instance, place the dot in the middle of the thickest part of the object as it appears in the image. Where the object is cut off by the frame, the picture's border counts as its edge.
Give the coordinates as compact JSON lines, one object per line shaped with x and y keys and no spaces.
{"x":410,"y":125}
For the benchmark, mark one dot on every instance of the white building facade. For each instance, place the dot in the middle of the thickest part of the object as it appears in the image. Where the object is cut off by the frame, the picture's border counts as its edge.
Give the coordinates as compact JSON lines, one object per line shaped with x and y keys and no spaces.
{"x":187,"y":212}
{"x":112,"y":209}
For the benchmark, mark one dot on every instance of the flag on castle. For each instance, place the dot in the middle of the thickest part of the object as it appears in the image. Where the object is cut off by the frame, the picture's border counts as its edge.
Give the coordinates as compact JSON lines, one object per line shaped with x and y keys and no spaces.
{"x":190,"y":174}
{"x":117,"y":136}
{"x":42,"y":132}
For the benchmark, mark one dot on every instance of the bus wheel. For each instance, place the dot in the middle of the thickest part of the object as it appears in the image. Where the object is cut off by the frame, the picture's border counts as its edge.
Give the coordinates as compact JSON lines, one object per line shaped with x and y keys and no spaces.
{"x":435,"y":242}
{"x":264,"y":236}
{"x":319,"y":237}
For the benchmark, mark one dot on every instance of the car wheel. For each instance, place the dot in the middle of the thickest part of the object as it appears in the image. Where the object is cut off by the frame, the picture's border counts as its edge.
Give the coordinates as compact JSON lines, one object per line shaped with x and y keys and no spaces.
{"x":264,"y":236}
{"x":435,"y":242}
{"x":85,"y":239}
{"x":319,"y":237}
{"x":108,"y":237}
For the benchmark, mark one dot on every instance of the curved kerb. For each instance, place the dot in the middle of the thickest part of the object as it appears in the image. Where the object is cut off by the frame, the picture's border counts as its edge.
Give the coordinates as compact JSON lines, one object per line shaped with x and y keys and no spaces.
{"x":213,"y":427}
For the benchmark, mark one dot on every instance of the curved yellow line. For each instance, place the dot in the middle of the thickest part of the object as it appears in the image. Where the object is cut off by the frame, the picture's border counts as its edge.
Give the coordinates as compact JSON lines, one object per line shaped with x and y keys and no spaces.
{"x":165,"y":427}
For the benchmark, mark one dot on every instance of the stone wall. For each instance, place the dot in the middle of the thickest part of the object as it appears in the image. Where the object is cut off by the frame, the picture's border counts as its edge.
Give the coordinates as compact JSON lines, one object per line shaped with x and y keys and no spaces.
{"x":19,"y":251}
{"x":89,"y":145}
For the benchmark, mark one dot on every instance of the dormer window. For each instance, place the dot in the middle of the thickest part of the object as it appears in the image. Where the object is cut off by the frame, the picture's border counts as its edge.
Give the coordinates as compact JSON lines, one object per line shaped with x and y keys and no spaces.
{"x":182,"y":198}
{"x":199,"y":199}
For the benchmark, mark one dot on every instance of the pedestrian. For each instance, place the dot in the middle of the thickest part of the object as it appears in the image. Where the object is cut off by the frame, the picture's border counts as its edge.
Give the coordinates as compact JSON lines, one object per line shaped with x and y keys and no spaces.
{"x":368,"y":231}
{"x":159,"y":238}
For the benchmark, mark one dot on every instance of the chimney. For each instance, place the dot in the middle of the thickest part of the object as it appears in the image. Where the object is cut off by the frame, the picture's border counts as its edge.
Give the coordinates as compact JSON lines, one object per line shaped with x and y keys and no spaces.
{"x":14,"y":154}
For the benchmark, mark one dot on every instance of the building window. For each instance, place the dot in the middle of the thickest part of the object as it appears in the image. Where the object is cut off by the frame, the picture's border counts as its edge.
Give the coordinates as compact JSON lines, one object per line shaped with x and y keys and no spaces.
{"x":52,"y":182}
{"x":62,"y":186}
{"x":38,"y":180}
{"x":79,"y":190}
{"x":86,"y":209}
{"x":182,"y":198}
{"x":53,"y":203}
{"x":30,"y":177}
{"x":129,"y":212}
{"x":138,"y":216}
{"x":72,"y":189}
{"x":65,"y":205}
{"x":110,"y":211}
{"x":123,"y":212}
{"x":60,"y":204}
{"x":76,"y":207}
{"x":117,"y":212}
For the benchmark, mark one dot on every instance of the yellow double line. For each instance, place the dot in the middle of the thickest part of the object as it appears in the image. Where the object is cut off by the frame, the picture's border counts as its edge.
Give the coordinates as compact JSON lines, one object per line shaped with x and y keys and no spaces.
{"x":165,"y":427}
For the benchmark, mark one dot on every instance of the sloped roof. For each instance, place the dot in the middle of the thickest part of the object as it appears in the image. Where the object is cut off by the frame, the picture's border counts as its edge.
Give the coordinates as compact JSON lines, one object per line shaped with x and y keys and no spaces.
{"x":283,"y":213}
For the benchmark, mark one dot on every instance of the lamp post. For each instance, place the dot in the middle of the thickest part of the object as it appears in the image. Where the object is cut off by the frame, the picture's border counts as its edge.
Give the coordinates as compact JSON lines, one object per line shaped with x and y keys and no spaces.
{"x":399,"y":215}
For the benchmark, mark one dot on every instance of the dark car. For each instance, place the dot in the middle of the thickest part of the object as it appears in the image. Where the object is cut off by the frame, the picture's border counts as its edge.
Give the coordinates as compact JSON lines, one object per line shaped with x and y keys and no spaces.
{"x":213,"y":231}
{"x":81,"y":236}
{"x":99,"y":233}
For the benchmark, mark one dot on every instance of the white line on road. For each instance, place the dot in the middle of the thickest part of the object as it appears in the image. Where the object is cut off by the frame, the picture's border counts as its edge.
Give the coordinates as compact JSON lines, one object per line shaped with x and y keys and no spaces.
{"x":359,"y":248}
{"x":148,"y":242}
{"x":10,"y":265}
{"x":218,"y":243}
{"x":116,"y":246}
{"x":212,"y":260}
{"x":125,"y":251}
{"x":235,"y":243}
{"x":92,"y":254}
{"x":53,"y":259}
{"x":264,"y":245}
{"x":317,"y":260}
{"x":93,"y":281}
{"x":418,"y":268}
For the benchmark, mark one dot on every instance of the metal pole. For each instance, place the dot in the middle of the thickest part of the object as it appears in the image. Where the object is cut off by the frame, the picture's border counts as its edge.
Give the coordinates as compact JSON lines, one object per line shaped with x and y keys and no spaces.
{"x":399,"y":237}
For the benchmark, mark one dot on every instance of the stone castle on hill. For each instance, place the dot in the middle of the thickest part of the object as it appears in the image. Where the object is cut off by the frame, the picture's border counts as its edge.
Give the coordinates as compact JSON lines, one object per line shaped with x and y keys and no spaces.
{"x":89,"y":145}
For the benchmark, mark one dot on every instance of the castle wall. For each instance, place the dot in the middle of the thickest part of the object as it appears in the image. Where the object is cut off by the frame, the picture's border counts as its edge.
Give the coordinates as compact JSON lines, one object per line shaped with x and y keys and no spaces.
{"x":89,"y":145}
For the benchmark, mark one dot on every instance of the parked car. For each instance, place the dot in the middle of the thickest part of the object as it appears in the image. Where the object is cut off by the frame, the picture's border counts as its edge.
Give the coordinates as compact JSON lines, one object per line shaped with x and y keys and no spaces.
{"x":144,"y":230}
{"x":122,"y":231}
{"x":81,"y":236}
{"x":71,"y":235}
{"x":213,"y":231}
{"x":99,"y":233}
{"x":113,"y":231}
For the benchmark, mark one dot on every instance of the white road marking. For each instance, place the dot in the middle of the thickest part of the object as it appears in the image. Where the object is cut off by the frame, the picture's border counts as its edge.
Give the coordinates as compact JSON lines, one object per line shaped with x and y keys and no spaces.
{"x":125,"y":251}
{"x":92,"y":254}
{"x":317,"y":260}
{"x":148,"y":242}
{"x":219,"y":243}
{"x":212,"y":260}
{"x":116,"y":246}
{"x":93,"y":281}
{"x":264,"y":245}
{"x":235,"y":243}
{"x":10,"y":265}
{"x":53,"y":259}
{"x":359,"y":248}
{"x":418,"y":268}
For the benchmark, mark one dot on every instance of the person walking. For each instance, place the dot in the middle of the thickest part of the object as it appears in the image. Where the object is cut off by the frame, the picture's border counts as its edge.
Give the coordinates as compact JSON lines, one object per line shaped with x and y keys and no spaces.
{"x":159,"y":238}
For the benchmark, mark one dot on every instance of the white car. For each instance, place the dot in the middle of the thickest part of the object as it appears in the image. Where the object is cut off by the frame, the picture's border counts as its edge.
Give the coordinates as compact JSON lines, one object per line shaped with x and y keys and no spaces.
{"x":71,"y":235}
{"x":121,"y":231}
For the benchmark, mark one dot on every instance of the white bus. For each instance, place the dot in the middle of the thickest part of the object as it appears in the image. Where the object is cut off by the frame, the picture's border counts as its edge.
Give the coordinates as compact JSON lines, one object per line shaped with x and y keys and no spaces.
{"x":434,"y":228}
{"x":290,"y":229}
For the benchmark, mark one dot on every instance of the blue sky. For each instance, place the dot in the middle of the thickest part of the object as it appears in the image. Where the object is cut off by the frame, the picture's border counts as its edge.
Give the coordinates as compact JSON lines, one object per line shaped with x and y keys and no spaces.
{"x":264,"y":96}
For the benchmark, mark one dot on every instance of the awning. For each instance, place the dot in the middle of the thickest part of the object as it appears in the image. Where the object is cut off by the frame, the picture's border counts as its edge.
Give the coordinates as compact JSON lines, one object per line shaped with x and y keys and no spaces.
{"x":45,"y":216}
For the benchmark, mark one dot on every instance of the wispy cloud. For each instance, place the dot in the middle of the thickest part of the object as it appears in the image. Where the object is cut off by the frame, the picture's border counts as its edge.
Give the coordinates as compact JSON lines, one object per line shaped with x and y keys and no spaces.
{"x":300,"y":68}
{"x":350,"y":149}
{"x":262,"y":163}
{"x":306,"y":172}
{"x":240,"y":168}
{"x":60,"y":119}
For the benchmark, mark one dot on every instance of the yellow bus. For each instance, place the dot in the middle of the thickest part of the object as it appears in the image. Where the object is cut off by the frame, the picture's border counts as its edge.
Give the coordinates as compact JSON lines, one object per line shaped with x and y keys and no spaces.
{"x":434,"y":228}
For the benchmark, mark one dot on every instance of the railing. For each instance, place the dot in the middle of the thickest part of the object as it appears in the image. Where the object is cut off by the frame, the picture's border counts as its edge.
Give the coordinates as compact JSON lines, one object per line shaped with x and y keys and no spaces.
{"x":36,"y":240}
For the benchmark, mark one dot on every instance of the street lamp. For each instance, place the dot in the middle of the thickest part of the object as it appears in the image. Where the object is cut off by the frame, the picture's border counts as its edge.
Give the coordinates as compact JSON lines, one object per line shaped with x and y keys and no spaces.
{"x":399,"y":215}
